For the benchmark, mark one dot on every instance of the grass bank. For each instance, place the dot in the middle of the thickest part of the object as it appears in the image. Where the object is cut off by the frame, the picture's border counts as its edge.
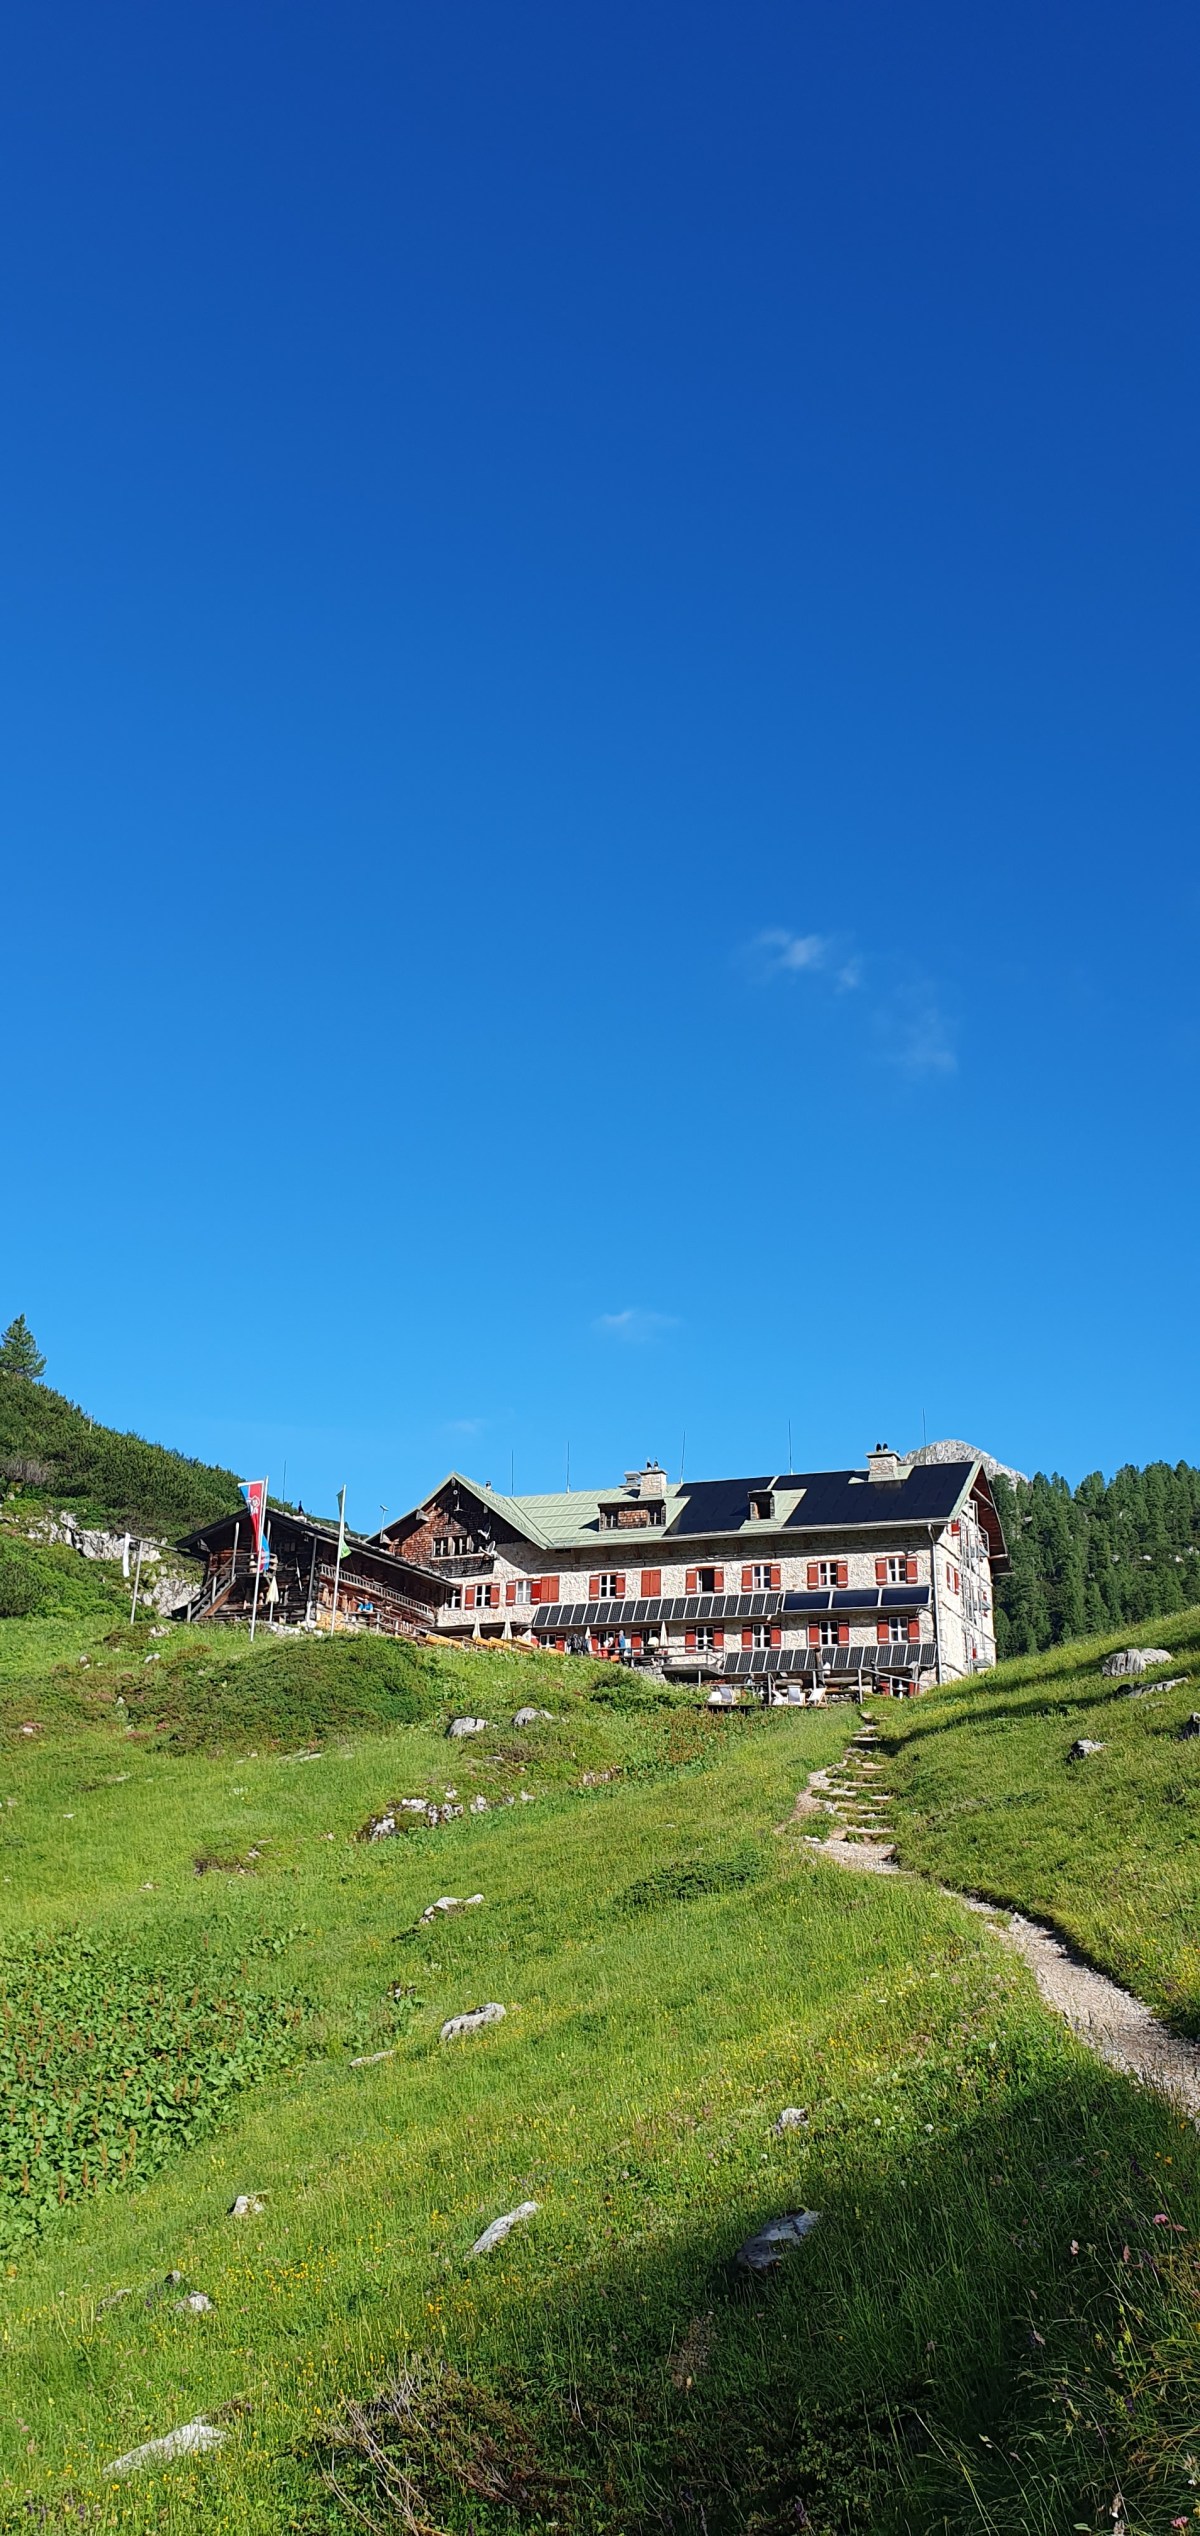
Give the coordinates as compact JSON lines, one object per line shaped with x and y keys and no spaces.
{"x":992,"y":2326}
{"x":1106,"y":1848}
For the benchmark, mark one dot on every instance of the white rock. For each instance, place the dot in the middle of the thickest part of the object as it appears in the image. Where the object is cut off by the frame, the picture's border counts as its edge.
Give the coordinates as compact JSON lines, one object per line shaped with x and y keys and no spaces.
{"x":479,"y":1805}
{"x":530,"y":1716}
{"x":195,"y":2304}
{"x":1134,"y":1660}
{"x":192,"y":2439}
{"x":1083,"y":1750}
{"x":473,"y":2021}
{"x":248,"y":2206}
{"x":526,"y":1799}
{"x":367,"y":2060}
{"x":450,"y":1902}
{"x":500,"y":2228}
{"x":468,"y":1726}
{"x":763,"y":2252}
{"x":792,"y":2118}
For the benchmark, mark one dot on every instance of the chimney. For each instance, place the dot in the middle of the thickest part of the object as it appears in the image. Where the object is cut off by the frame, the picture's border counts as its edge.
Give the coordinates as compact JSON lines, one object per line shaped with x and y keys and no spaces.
{"x":650,"y":1482}
{"x":884,"y":1464}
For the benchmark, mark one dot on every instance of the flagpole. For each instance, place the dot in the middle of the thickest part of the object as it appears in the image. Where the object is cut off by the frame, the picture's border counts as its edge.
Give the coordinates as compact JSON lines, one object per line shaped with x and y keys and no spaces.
{"x":258,"y":1561}
{"x":338,"y":1555}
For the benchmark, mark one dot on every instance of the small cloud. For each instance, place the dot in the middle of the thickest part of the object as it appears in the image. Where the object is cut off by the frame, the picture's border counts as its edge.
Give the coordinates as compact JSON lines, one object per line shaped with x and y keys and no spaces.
{"x":465,"y":1426}
{"x":917,"y":1039}
{"x":634,"y":1326}
{"x":777,"y":953}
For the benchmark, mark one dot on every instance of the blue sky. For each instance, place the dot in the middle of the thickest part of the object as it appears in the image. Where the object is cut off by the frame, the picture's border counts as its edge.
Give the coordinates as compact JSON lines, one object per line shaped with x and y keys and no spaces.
{"x":599,"y":781}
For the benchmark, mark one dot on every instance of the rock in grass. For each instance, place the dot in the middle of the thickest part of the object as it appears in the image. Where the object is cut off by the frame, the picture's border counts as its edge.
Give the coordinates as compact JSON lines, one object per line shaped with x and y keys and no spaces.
{"x":792,"y":2118}
{"x":530,"y":1716}
{"x":765,"y":2252}
{"x":1134,"y":1660}
{"x":500,"y":2228}
{"x":195,"y":2304}
{"x":473,"y":2021}
{"x":1083,"y":1750}
{"x":459,"y":1726}
{"x":248,"y":2206}
{"x":1190,"y":1726}
{"x":190,"y":2440}
{"x":449,"y":1902}
{"x":367,"y":2060}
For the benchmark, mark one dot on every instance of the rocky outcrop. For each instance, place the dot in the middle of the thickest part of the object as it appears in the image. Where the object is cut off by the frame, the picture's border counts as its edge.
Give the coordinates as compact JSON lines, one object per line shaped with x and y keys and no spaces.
{"x":166,"y":1584}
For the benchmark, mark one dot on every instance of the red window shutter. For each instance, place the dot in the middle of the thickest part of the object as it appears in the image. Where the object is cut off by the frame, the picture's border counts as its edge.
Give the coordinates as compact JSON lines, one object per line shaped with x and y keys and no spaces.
{"x":510,"y":1592}
{"x":690,"y":1585}
{"x":718,"y":1637}
{"x":843,"y":1633}
{"x":843,"y":1572}
{"x":910,"y":1571}
{"x":689,"y":1640}
{"x":777,"y":1637}
{"x":593,"y":1587}
{"x":620,"y":1589}
{"x":775,"y":1580}
{"x":881,"y":1571}
{"x":718,"y":1580}
{"x":814,"y":1635}
{"x":560,"y":1646}
{"x":956,"y":1529}
{"x":813,"y":1576}
{"x":914,"y":1629}
{"x":651,"y":1583}
{"x":747,"y":1580}
{"x":637,"y":1642}
{"x":882,"y":1632}
{"x":747,"y":1637}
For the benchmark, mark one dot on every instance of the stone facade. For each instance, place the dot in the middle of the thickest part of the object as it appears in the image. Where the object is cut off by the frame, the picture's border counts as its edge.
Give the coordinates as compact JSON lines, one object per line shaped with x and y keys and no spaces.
{"x":896,"y":1584}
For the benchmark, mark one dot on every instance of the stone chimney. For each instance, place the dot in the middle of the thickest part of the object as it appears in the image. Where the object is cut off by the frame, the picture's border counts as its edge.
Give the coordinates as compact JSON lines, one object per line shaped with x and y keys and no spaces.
{"x":884,"y":1464}
{"x":650,"y":1482}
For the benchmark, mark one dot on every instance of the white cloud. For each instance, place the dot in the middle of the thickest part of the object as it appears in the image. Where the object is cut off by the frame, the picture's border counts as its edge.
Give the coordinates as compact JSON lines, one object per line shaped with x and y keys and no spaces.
{"x":634,"y":1326}
{"x":776,"y":953}
{"x":916,"y":1038}
{"x":465,"y":1426}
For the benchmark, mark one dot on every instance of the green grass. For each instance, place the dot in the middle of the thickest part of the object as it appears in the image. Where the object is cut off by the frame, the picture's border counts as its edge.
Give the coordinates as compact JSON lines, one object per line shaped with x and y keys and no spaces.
{"x":677,"y":1967}
{"x":1107,"y":1849}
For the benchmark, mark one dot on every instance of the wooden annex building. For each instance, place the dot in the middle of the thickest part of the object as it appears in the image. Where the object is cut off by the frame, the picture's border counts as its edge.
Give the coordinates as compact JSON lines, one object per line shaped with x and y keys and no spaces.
{"x":376,"y":1589}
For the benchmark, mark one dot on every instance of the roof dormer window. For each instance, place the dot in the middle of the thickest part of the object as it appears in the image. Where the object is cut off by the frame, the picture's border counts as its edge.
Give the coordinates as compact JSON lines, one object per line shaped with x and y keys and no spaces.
{"x":762,"y":1505}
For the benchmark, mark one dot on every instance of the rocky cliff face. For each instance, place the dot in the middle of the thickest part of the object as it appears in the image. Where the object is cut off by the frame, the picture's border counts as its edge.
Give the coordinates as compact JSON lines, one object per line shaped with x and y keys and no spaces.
{"x":952,"y":1449}
{"x":166,"y":1581}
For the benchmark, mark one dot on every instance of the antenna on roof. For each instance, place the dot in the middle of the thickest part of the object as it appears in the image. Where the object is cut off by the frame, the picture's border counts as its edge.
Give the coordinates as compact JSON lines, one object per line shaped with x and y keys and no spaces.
{"x":568,"y":1466}
{"x":924,"y":1438}
{"x":512,"y":1471}
{"x":682,"y":1456}
{"x":790,"y":1462}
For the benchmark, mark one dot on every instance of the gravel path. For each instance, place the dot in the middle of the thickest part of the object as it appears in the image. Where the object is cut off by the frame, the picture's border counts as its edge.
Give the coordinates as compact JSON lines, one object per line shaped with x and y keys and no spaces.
{"x":1117,"y":2027}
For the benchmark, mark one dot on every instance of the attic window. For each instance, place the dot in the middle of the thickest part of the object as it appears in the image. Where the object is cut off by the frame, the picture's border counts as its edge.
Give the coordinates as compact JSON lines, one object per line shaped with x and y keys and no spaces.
{"x":762,"y":1505}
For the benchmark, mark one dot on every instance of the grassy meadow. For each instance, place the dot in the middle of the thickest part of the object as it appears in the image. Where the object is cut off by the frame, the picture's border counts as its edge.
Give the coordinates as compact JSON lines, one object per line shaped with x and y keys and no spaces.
{"x":993,"y":2326}
{"x":1107,"y":1849}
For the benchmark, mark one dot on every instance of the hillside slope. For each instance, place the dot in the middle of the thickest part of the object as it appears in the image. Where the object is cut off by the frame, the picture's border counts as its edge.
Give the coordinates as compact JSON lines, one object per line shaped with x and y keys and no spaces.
{"x":1107,"y":1848}
{"x":989,"y":2283}
{"x":51,"y":1448}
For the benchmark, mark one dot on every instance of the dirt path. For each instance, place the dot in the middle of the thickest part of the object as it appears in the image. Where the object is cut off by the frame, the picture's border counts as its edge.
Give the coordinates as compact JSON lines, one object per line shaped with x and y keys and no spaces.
{"x":1117,"y":2027}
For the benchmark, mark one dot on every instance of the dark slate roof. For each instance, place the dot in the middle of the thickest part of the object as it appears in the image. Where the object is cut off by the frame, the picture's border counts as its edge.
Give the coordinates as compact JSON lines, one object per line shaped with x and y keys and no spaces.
{"x":829,"y":1501}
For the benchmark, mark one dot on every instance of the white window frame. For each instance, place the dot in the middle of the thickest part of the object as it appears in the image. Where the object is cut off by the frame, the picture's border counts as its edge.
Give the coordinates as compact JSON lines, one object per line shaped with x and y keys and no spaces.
{"x":829,"y":1633}
{"x":898,"y":1629}
{"x":897,"y":1567}
{"x":760,"y":1635}
{"x":827,"y":1571}
{"x":705,"y":1637}
{"x":761,"y":1576}
{"x":608,"y":1586}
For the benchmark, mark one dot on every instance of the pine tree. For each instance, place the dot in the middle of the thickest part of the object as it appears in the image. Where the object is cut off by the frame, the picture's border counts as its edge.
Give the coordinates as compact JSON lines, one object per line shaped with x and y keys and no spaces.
{"x":19,"y":1351}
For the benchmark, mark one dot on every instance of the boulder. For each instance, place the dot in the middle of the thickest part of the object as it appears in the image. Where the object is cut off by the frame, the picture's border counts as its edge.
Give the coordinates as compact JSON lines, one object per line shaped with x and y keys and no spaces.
{"x":459,"y":1726}
{"x":247,"y":2206}
{"x":1134,"y":1660}
{"x":765,"y":2252}
{"x":195,"y":2304}
{"x":1190,"y":1726}
{"x":500,"y":2228}
{"x":1083,"y":1750}
{"x":530,"y":1716}
{"x":449,"y":1902}
{"x":792,"y":2118}
{"x":367,"y":2060}
{"x":190,"y":2440}
{"x":473,"y":2021}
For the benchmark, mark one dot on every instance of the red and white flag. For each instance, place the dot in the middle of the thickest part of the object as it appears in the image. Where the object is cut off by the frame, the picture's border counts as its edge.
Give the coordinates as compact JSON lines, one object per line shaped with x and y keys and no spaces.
{"x":255,"y":1493}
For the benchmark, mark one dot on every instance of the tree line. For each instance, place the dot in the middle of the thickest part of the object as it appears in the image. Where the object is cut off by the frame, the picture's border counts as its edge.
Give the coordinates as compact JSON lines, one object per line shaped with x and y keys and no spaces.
{"x":1089,"y":1559}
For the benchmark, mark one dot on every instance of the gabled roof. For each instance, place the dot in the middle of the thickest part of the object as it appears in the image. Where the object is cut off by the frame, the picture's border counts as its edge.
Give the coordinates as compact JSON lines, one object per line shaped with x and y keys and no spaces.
{"x":712,"y":1509}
